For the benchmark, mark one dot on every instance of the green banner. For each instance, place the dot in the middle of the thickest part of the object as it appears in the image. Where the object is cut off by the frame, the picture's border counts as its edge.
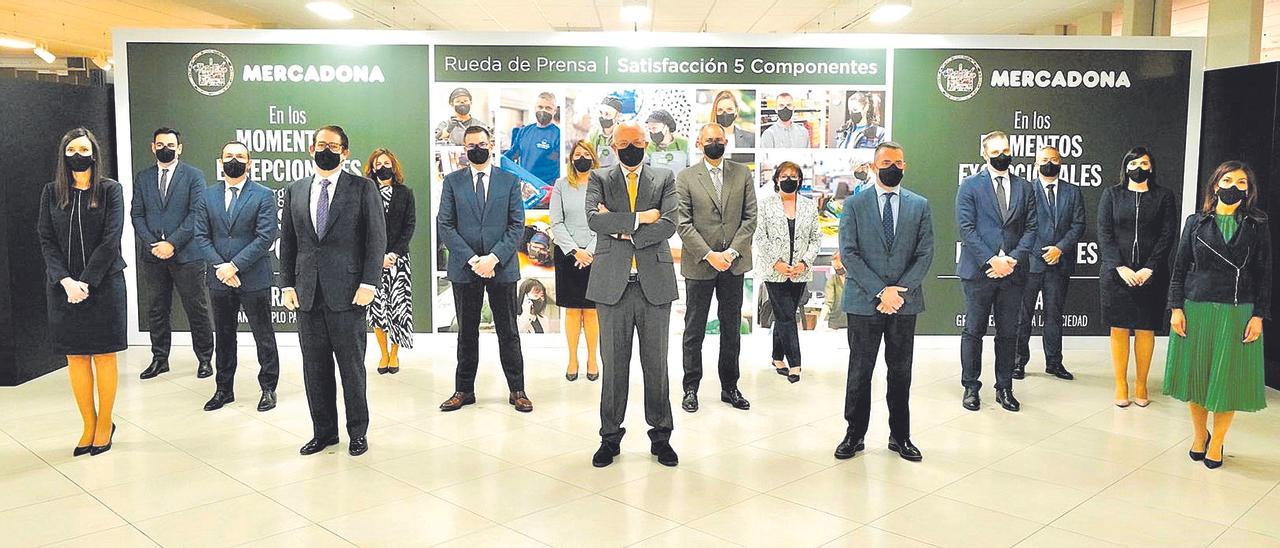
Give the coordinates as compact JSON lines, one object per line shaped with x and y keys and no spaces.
{"x":271,"y":97}
{"x":666,"y":65}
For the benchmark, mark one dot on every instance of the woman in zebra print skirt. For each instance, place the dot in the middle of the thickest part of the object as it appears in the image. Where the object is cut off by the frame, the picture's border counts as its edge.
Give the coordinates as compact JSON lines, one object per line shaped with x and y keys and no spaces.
{"x":391,"y":312}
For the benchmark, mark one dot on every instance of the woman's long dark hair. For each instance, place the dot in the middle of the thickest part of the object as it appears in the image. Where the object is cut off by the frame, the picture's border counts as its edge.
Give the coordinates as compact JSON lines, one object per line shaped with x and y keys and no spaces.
{"x":1250,"y":205}
{"x":1133,"y":154}
{"x":527,"y":286}
{"x":62,"y":179}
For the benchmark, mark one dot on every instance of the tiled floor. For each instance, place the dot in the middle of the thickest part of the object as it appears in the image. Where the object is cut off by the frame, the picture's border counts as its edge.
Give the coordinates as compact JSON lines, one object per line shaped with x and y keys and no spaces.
{"x":1069,"y":470}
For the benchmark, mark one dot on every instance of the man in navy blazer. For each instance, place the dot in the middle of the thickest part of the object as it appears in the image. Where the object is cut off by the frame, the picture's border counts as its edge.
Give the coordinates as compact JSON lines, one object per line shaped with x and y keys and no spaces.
{"x":166,"y":199}
{"x":235,"y":231}
{"x":995,"y":215}
{"x":480,"y":221}
{"x":886,"y":246}
{"x":1059,"y":226}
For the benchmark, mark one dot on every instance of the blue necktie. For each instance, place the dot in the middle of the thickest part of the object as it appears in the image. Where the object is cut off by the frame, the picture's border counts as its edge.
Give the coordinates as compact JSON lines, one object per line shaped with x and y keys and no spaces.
{"x":235,"y":193}
{"x":322,"y":208}
{"x":480,"y":190}
{"x":886,"y":219}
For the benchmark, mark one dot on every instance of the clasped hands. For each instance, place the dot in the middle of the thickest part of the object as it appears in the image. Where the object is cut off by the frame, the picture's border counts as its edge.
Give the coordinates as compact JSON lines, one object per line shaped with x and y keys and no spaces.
{"x":77,"y":291}
{"x":891,"y":300}
{"x":1134,"y":279}
{"x":790,"y":271}
{"x":1001,"y":266}
{"x":228,"y":274}
{"x":162,"y":250}
{"x":646,"y":217}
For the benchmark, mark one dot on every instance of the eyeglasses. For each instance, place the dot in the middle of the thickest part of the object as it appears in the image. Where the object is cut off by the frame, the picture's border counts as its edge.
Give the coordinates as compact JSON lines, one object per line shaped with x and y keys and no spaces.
{"x":474,"y":146}
{"x":170,"y":146}
{"x":333,"y":147}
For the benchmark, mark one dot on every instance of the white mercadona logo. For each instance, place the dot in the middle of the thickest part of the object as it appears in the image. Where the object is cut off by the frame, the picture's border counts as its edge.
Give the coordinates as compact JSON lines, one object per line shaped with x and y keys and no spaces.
{"x":959,"y":78}
{"x":210,"y":72}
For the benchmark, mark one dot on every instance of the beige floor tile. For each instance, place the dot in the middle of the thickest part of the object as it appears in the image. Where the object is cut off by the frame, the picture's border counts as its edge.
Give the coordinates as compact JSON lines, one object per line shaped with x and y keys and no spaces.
{"x":592,"y":521}
{"x":467,"y":423}
{"x":1052,"y":537}
{"x":1198,"y":499}
{"x":1264,"y":517}
{"x":1098,"y":444}
{"x":679,"y":495}
{"x":126,"y":536}
{"x":531,"y":444}
{"x":1234,"y":537}
{"x":151,"y":496}
{"x":34,"y":485}
{"x":1252,"y":473}
{"x":1137,"y":526}
{"x":494,"y":496}
{"x":341,"y":494}
{"x":871,"y":537}
{"x":397,"y":440}
{"x":928,"y":475}
{"x":1035,"y":500}
{"x":955,"y":445}
{"x":311,"y":536}
{"x":265,"y":470}
{"x":132,"y":456}
{"x":441,"y":467}
{"x":1063,"y":468}
{"x":845,"y":493}
{"x":422,"y":520}
{"x":771,"y":521}
{"x":684,"y":537}
{"x":806,"y":442}
{"x":238,"y":520}
{"x":945,"y":522}
{"x":493,"y":536}
{"x":754,"y":468}
{"x":76,"y":515}
{"x":576,"y":468}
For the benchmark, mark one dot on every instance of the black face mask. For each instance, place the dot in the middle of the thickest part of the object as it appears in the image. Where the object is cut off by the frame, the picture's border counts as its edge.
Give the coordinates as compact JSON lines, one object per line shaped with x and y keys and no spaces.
{"x":543,"y":118}
{"x":656,"y":137}
{"x":166,"y":154}
{"x":789,"y":185}
{"x":78,"y":163}
{"x":861,"y":176}
{"x":462,"y":110}
{"x":784,"y":114}
{"x":327,"y":160}
{"x":1138,"y":175}
{"x":726,"y":119}
{"x":715,"y":151}
{"x":1230,"y":195}
{"x":478,"y":156}
{"x":384,"y":173}
{"x":889,"y":176}
{"x":631,"y":156}
{"x":855,"y":118}
{"x":1001,"y":162}
{"x":606,"y":123}
{"x":582,"y":165}
{"x":1050,"y":169}
{"x":233,"y":169}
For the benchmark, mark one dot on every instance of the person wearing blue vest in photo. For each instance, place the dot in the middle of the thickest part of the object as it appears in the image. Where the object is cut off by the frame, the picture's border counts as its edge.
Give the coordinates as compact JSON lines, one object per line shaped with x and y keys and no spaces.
{"x":166,"y":199}
{"x":234,"y":232}
{"x":886,"y":247}
{"x":536,"y":147}
{"x":1059,"y":226}
{"x":995,"y":215}
{"x":481,"y":219}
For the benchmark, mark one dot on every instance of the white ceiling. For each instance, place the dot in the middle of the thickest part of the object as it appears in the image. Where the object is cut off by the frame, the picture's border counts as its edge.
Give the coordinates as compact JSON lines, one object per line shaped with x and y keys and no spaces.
{"x":83,"y":27}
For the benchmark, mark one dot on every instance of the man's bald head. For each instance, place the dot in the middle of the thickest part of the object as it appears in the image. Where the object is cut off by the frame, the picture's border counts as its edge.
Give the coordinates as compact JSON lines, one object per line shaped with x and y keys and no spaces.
{"x":630,"y":133}
{"x":709,"y":133}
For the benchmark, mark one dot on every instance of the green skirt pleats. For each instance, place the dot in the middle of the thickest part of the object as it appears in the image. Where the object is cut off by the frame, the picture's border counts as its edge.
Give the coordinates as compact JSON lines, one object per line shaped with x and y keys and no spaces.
{"x":1211,"y":366}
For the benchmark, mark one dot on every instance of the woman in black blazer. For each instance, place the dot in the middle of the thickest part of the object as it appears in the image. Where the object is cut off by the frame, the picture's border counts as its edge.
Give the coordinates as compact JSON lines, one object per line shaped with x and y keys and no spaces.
{"x":81,"y":219}
{"x":391,"y":312}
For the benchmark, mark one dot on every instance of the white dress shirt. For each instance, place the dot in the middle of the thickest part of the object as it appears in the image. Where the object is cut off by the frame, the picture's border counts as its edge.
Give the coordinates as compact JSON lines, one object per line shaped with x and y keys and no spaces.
{"x":239,"y":193}
{"x":487,"y":171}
{"x":895,"y":204}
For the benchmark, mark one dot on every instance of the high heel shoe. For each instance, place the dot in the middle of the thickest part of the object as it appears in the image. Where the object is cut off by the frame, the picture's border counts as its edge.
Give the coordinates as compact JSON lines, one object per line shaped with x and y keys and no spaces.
{"x":81,"y":451}
{"x":95,"y":450}
{"x":393,"y":366}
{"x":794,"y":377}
{"x":1214,"y":464}
{"x":593,"y":376}
{"x":571,"y":377}
{"x":382,"y":365}
{"x":1199,"y":455}
{"x":784,"y":370}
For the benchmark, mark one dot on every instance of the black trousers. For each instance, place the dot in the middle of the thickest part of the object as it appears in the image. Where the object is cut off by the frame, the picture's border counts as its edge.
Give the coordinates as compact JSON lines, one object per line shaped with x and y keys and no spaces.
{"x":727,"y":288}
{"x":786,"y":298}
{"x":1053,"y":284}
{"x":634,"y":317}
{"x":327,"y":336}
{"x":899,"y":334}
{"x":983,"y":297}
{"x":468,"y":298}
{"x":257,"y":309}
{"x":189,"y":279}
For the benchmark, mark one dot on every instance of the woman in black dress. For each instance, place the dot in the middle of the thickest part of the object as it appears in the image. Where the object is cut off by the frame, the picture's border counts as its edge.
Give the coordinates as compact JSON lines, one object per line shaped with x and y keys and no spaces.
{"x":81,"y":219}
{"x":575,"y":247}
{"x":1137,"y":227}
{"x":391,"y":312}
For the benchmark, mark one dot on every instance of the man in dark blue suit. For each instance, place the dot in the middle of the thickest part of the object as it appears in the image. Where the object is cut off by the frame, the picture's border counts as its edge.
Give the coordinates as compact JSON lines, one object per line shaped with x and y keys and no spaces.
{"x":235,"y":232}
{"x":167,"y":198}
{"x":1060,"y":223}
{"x":333,"y":239}
{"x":995,"y":215}
{"x":886,"y":245}
{"x":480,"y":221}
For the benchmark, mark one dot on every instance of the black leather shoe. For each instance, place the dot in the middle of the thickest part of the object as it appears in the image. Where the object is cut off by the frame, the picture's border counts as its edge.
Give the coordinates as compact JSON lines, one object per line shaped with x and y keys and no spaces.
{"x":849,"y":447}
{"x":905,"y":449}
{"x":666,"y":455}
{"x":734,"y":398}
{"x":268,"y":401}
{"x":1019,"y":372}
{"x":604,"y":455}
{"x":1199,"y":455}
{"x":317,"y":445}
{"x":358,"y":446}
{"x":157,"y":367}
{"x":219,"y":399}
{"x":82,"y":451}
{"x":971,"y":400}
{"x":1208,"y":462}
{"x":95,"y":450}
{"x":204,"y":371}
{"x":1060,"y":372}
{"x":690,"y":402}
{"x":1004,"y":397}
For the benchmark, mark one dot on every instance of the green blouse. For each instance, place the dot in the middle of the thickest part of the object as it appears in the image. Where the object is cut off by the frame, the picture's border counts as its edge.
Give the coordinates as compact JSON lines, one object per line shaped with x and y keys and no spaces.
{"x":1227,"y":225}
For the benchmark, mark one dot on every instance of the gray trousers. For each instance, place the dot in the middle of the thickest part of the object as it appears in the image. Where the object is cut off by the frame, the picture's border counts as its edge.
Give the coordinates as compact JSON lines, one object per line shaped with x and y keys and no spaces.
{"x":618,"y":322}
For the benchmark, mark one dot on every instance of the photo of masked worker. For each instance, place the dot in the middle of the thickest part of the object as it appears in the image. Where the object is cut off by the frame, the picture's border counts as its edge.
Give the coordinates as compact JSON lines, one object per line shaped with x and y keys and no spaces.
{"x":461,"y":106}
{"x":734,"y":110}
{"x":863,"y":115}
{"x":790,"y":119}
{"x":533,"y":148}
{"x":608,"y":116}
{"x":666,"y":148}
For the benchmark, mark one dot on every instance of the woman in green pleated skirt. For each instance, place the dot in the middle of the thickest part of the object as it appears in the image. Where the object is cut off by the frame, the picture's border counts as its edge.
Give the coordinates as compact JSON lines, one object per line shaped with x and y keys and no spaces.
{"x":1219,"y":294}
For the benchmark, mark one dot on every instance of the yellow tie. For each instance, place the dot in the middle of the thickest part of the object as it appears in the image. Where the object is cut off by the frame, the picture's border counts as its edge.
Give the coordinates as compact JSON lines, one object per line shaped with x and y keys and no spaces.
{"x":632,"y":188}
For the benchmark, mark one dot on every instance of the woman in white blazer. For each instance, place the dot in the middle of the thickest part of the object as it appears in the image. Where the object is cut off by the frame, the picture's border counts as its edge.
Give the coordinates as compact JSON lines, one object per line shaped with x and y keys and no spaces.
{"x":786,"y":244}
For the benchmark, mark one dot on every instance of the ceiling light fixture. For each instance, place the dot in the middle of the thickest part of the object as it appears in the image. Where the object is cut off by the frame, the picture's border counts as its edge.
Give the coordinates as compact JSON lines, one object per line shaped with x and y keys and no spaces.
{"x":890,"y":11}
{"x":635,"y":11}
{"x":332,"y":11}
{"x":7,"y":42}
{"x":45,"y":55}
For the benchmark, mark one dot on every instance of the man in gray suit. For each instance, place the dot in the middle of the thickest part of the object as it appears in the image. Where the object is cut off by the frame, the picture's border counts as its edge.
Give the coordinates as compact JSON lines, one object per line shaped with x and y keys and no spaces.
{"x":632,"y":207}
{"x":886,"y":244}
{"x":716,"y":221}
